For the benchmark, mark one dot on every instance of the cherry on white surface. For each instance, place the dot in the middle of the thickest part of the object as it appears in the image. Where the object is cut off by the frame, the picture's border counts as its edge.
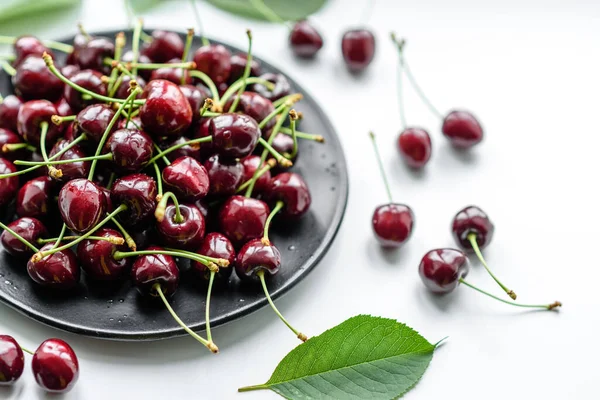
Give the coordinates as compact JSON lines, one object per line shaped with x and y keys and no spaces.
{"x":528,"y":70}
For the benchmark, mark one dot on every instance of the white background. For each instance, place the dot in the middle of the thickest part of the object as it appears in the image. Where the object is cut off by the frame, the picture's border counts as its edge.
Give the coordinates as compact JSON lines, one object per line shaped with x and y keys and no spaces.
{"x":530,"y":71}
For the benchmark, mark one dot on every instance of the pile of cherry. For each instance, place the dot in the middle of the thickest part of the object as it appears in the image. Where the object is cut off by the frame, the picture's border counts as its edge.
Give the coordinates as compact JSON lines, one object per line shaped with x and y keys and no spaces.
{"x":147,"y":158}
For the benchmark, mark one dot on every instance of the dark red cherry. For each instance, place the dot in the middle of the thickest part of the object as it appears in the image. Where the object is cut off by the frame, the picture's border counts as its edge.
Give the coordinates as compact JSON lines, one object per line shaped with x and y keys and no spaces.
{"x":35,"y":197}
{"x":201,"y":130}
{"x":142,"y":59}
{"x":131,"y":150}
{"x":290,"y":188}
{"x":187,"y":178}
{"x":172,"y":74}
{"x":234,"y":135}
{"x":81,"y":204}
{"x":10,"y":137}
{"x":462,"y":128}
{"x":251,"y":164}
{"x":216,"y":245}
{"x":284,"y":144}
{"x":242,"y":219}
{"x":187,"y":150}
{"x":441,"y":269}
{"x":305,"y":40}
{"x":415,"y":147}
{"x":8,"y":186}
{"x":166,"y":111}
{"x":34,"y":80}
{"x":74,"y":170}
{"x":256,"y":106}
{"x":138,"y":192}
{"x":31,"y":115}
{"x":93,"y":53}
{"x":123,"y":90}
{"x":69,"y":70}
{"x":9,"y":108}
{"x":282,"y":87}
{"x":12,"y":361}
{"x":472,"y":219}
{"x":215,"y":61}
{"x":30,"y":229}
{"x":58,"y":270}
{"x":55,"y":366}
{"x":26,"y":46}
{"x":63,"y":107}
{"x":96,"y":256}
{"x":195,"y":95}
{"x":164,"y":46}
{"x":238,"y":65}
{"x":109,"y":204}
{"x":94,"y":120}
{"x":393,"y":224}
{"x":88,"y":79}
{"x":187,"y":234}
{"x":358,"y":49}
{"x":224,"y":175}
{"x":256,"y":256}
{"x":149,"y":270}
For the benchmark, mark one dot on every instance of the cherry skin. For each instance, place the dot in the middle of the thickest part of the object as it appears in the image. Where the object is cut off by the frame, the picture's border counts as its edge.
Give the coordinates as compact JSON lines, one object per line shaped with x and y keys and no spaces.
{"x":90,"y":80}
{"x":290,"y":188}
{"x":282,"y":87}
{"x":138,"y":192}
{"x":149,"y":270}
{"x":69,"y":70}
{"x":30,"y":229}
{"x":96,"y":257}
{"x":34,"y":197}
{"x":55,"y":366}
{"x":255,"y":256}
{"x":187,"y":234}
{"x":166,"y":111}
{"x":59,"y":270}
{"x":63,"y":107}
{"x":215,"y":61}
{"x":224,"y":175}
{"x":8,"y":186}
{"x":12,"y":360}
{"x":284,"y":144}
{"x":472,"y":220}
{"x":164,"y":46}
{"x":31,"y":115}
{"x":34,"y":80}
{"x":131,"y":150}
{"x":251,"y":164}
{"x":9,"y":109}
{"x":81,"y":204}
{"x":26,"y":46}
{"x":358,"y":49}
{"x":255,"y":106}
{"x":441,"y":269}
{"x":142,"y":59}
{"x":234,"y":135}
{"x":123,"y":91}
{"x":195,"y":95}
{"x":462,"y":129}
{"x":238,"y":65}
{"x":242,"y":219}
{"x":305,"y":40}
{"x":201,"y":130}
{"x":393,"y":224}
{"x":74,"y":170}
{"x":10,"y":137}
{"x":187,"y":178}
{"x":93,"y":53}
{"x":186,"y":150}
{"x":94,"y":120}
{"x":215,"y":245}
{"x":172,"y":74}
{"x":415,"y":147}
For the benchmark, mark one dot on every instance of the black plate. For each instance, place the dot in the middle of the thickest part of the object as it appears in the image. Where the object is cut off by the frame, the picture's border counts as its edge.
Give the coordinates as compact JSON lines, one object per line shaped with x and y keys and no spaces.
{"x":119,"y":313}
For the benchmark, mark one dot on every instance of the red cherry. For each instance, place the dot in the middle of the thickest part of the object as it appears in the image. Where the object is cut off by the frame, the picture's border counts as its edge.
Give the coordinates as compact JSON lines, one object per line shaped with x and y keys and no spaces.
{"x":30,"y":117}
{"x":201,"y":130}
{"x":358,"y":49}
{"x":88,"y":79}
{"x":9,"y":108}
{"x":172,"y":74}
{"x":138,"y":192}
{"x":282,"y":87}
{"x":81,"y":204}
{"x":12,"y":361}
{"x":55,"y":366}
{"x":166,"y":111}
{"x":257,"y":256}
{"x":92,"y":54}
{"x":58,"y":270}
{"x":415,"y":147}
{"x":242,"y":219}
{"x":224,"y":175}
{"x":472,"y":220}
{"x":186,"y":234}
{"x":96,"y":256}
{"x":123,"y":90}
{"x":393,"y":224}
{"x":234,"y":135}
{"x":238,"y":65}
{"x":216,"y":245}
{"x":25,"y":46}
{"x":148,"y":270}
{"x":195,"y":95}
{"x":69,"y":71}
{"x":10,"y":137}
{"x":290,"y":188}
{"x":94,"y":120}
{"x":441,"y":269}
{"x":164,"y":46}
{"x":215,"y":61}
{"x":187,"y":178}
{"x":305,"y":40}
{"x":30,"y":229}
{"x":131,"y":150}
{"x":251,"y":164}
{"x":35,"y":197}
{"x":8,"y":186}
{"x":462,"y":128}
{"x":74,"y":170}
{"x":255,"y":106}
{"x":34,"y":80}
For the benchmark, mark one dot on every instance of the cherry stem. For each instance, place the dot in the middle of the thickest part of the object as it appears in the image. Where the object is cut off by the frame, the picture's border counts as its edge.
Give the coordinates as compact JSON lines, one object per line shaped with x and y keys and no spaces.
{"x":206,"y":260}
{"x":205,"y":41}
{"x":27,"y":350}
{"x":113,"y":89}
{"x":135,"y":46}
{"x":8,"y":57}
{"x":181,"y":65}
{"x":278,"y":110}
{"x":119,"y":44}
{"x":52,"y":171}
{"x":269,"y":14}
{"x":278,"y":206}
{"x":145,"y":37}
{"x":261,"y":276}
{"x":162,"y":205}
{"x":119,"y":255}
{"x":61,"y":235}
{"x":284,"y":162}
{"x":186,"y":50}
{"x":19,"y":238}
{"x":164,"y":158}
{"x":207,"y":306}
{"x":58,"y":119}
{"x":244,"y":78}
{"x":51,"y":44}
{"x":546,"y":306}
{"x":381,"y":169}
{"x":210,"y":345}
{"x":8,"y":147}
{"x":418,"y":89}
{"x":294,"y":97}
{"x":293,"y":118}
{"x":158,"y":180}
{"x":8,"y":68}
{"x":178,"y":146}
{"x":112,"y":239}
{"x":83,"y":31}
{"x":237,"y":84}
{"x":400,"y":45}
{"x":303,"y":135}
{"x":106,"y":156}
{"x":270,"y":164}
{"x":208,"y":82}
{"x":128,"y":239}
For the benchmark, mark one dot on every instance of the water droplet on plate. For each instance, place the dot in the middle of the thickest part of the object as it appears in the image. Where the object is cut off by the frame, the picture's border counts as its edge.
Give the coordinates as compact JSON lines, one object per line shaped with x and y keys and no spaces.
{"x":111,"y":319}
{"x":121,"y":300}
{"x":291,"y":247}
{"x":8,"y":282}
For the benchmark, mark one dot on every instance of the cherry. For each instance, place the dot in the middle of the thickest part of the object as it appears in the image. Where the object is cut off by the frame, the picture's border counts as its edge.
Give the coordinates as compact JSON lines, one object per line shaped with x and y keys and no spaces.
{"x":30,"y":119}
{"x":138,"y":192}
{"x":90,"y":80}
{"x":195,"y":95}
{"x":462,"y":129}
{"x":358,"y":49}
{"x":218,"y":246}
{"x":290,"y":188}
{"x":33,"y":80}
{"x":58,"y":270}
{"x":30,"y":229}
{"x":187,"y":150}
{"x":172,"y":74}
{"x":9,"y":138}
{"x":215,"y":61}
{"x":79,"y":41}
{"x":166,"y":111}
{"x":142,"y":59}
{"x":257,"y":256}
{"x":242,"y":219}
{"x":96,"y":256}
{"x":238,"y":65}
{"x":185,"y":232}
{"x":415,"y":147}
{"x":224,"y":175}
{"x":55,"y":366}
{"x":164,"y":46}
{"x":131,"y":149}
{"x":69,"y":71}
{"x":9,"y":108}
{"x":152,"y":269}
{"x":305,"y":40}
{"x":133,"y":123}
{"x":94,"y":120}
{"x":35,"y":197}
{"x":92,"y":54}
{"x":10,"y":185}
{"x":63,"y":107}
{"x":255,"y":106}
{"x":392,"y":222}
{"x":284,"y":144}
{"x":26,"y":46}
{"x":81,"y":204}
{"x":12,"y":361}
{"x":234,"y":135}
{"x":251,"y":164}
{"x":200,"y":131}
{"x":74,"y":170}
{"x":187,"y":178}
{"x":123,"y":90}
{"x":281,"y":88}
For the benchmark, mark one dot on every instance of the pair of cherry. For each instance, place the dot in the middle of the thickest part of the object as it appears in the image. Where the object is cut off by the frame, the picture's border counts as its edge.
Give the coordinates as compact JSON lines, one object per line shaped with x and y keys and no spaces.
{"x":54,"y":364}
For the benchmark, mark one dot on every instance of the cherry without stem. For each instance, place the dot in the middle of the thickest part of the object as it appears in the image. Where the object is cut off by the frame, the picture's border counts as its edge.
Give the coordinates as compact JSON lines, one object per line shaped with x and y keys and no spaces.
{"x":358,"y":49}
{"x":305,"y":40}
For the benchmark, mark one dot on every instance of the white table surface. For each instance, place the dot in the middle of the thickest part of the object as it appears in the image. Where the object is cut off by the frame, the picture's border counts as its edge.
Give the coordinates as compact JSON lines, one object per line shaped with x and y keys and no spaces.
{"x":529,"y":70}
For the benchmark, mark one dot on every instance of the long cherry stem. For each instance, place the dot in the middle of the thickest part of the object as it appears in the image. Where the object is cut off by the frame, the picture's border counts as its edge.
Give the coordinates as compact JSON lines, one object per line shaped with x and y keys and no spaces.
{"x":27,"y":350}
{"x":119,"y":255}
{"x":293,"y":118}
{"x":381,"y":169}
{"x":8,"y":68}
{"x":186,"y":50}
{"x":19,"y":238}
{"x":545,"y":306}
{"x":205,"y":41}
{"x":164,"y":158}
{"x":128,"y":239}
{"x":246,"y":74}
{"x":159,"y":213}
{"x":106,"y":156}
{"x":208,"y":82}
{"x":158,"y":181}
{"x":472,"y":237}
{"x":206,"y":260}
{"x":303,"y":135}
{"x":207,"y":306}
{"x":278,"y":206}
{"x":51,"y":44}
{"x":178,"y":146}
{"x":270,"y":164}
{"x":135,"y":47}
{"x":284,"y":162}
{"x":235,"y":86}
{"x":418,"y":89}
{"x":112,"y":239}
{"x":61,"y":235}
{"x":119,"y":44}
{"x":400,"y":46}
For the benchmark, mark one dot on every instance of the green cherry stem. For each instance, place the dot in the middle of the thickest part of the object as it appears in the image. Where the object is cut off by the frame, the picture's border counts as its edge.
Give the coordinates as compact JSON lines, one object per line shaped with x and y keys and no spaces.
{"x":205,"y":41}
{"x":8,"y":68}
{"x":294,"y":97}
{"x":400,"y":46}
{"x":246,"y":74}
{"x":119,"y":255}
{"x":472,"y":238}
{"x":302,"y":135}
{"x":158,"y":181}
{"x":19,"y":238}
{"x":135,"y":46}
{"x":119,"y":44}
{"x":159,"y":213}
{"x":206,"y":260}
{"x":278,"y":206}
{"x":293,"y":118}
{"x":544,"y":306}
{"x":27,"y":350}
{"x":128,"y":239}
{"x":235,"y":86}
{"x":284,"y":162}
{"x":106,"y":156}
{"x":8,"y":147}
{"x":270,"y":164}
{"x":181,"y":65}
{"x":61,"y":235}
{"x":208,"y":82}
{"x":207,"y":306}
{"x":381,"y":169}
{"x":59,"y":119}
{"x":51,"y":44}
{"x":111,"y":239}
{"x":82,"y":30}
{"x":145,"y":37}
{"x":186,"y":50}
{"x":164,"y":158}
{"x":52,"y":171}
{"x":178,"y":146}
{"x":8,"y":57}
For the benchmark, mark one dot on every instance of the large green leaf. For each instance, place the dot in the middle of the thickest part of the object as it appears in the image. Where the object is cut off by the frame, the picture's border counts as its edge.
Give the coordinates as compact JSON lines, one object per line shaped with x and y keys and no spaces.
{"x":289,"y":10}
{"x":11,"y":10}
{"x":364,"y":357}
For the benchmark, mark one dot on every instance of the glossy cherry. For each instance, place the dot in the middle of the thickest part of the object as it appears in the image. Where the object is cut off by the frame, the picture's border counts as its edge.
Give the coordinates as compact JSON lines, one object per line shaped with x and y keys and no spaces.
{"x":441,"y":269}
{"x":59,"y":270}
{"x":393,"y":224}
{"x":30,"y":229}
{"x":281,"y":88}
{"x":55,"y":366}
{"x":255,"y":106}
{"x":34,"y":80}
{"x":30,"y":117}
{"x":9,"y":108}
{"x":8,"y":186}
{"x":12,"y":360}
{"x":358,"y":49}
{"x":305,"y":40}
{"x":186,"y":234}
{"x":164,"y":46}
{"x":81,"y":204}
{"x":234,"y":135}
{"x":96,"y":256}
{"x":195,"y":95}
{"x":290,"y":188}
{"x":74,"y":170}
{"x":472,"y":220}
{"x":69,"y":70}
{"x":94,"y":120}
{"x":284,"y":144}
{"x":134,"y":123}
{"x":166,"y":111}
{"x":172,"y":74}
{"x":256,"y":256}
{"x":225,"y":175}
{"x":142,"y":59}
{"x":187,"y":178}
{"x":92,"y":54}
{"x":242,"y":219}
{"x":138,"y":192}
{"x":131,"y":150}
{"x":251,"y":164}
{"x":90,"y":80}
{"x":35,"y":197}
{"x":215,"y":61}
{"x":149,"y":270}
{"x":215,"y":245}
{"x":187,"y":150}
{"x":27,"y":45}
{"x":238,"y":65}
{"x":201,"y":130}
{"x":63,"y":107}
{"x":415,"y":147}
{"x":10,"y":137}
{"x":462,"y":129}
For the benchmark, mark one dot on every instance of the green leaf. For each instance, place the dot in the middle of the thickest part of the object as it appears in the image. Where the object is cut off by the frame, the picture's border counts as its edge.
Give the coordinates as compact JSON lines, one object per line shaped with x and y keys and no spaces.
{"x":288,"y":10}
{"x":14,"y":9}
{"x":364,"y":357}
